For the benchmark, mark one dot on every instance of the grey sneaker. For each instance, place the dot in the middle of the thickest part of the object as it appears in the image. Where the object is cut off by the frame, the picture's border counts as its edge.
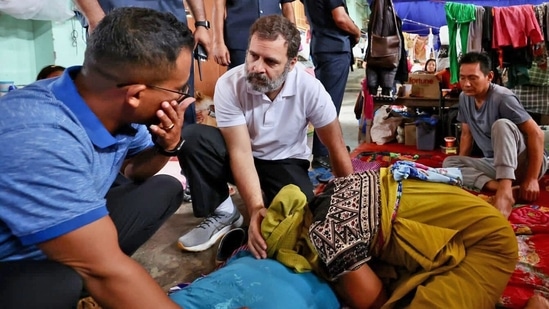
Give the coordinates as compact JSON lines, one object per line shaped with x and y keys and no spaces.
{"x":209,"y":231}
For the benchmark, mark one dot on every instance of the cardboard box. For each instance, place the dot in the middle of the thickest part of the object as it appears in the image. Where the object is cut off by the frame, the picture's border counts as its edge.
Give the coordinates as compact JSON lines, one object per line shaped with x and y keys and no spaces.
{"x":424,"y":85}
{"x":410,"y":134}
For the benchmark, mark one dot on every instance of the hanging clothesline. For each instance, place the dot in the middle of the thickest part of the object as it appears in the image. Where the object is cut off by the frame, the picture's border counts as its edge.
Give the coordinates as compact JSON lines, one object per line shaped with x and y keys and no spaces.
{"x":418,"y":23}
{"x":413,"y":30}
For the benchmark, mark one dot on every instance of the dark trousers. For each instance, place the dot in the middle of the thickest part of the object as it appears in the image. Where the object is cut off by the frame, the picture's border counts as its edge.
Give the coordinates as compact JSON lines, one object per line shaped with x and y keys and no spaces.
{"x":238,"y":57}
{"x":137,"y":210}
{"x":205,"y":161}
{"x":380,"y":77}
{"x":190,"y":113}
{"x":332,"y":69}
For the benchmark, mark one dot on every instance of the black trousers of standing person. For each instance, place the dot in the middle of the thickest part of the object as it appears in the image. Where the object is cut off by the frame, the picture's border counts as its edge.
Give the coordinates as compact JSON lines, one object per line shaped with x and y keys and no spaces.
{"x":205,"y":162}
{"x":332,"y":70}
{"x":137,"y":210}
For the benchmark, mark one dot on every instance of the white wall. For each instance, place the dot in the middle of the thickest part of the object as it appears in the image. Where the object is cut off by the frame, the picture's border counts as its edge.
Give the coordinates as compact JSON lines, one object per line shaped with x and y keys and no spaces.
{"x":17,"y":50}
{"x":69,"y":41}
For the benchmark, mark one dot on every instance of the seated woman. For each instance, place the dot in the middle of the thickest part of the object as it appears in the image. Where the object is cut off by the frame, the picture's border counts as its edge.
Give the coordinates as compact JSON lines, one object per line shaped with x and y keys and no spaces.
{"x":385,"y":243}
{"x":430,"y":66}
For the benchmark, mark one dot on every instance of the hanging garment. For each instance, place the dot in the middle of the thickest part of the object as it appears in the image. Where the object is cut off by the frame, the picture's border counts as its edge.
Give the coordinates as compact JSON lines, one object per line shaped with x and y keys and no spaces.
{"x":540,"y":50}
{"x":517,"y":61}
{"x":515,"y":26}
{"x":475,"y":31}
{"x":443,"y":62}
{"x":539,"y":74}
{"x":546,"y":23}
{"x":409,"y":43}
{"x":458,"y":17}
{"x":420,"y":49}
{"x":429,"y":49}
{"x":487,"y":22}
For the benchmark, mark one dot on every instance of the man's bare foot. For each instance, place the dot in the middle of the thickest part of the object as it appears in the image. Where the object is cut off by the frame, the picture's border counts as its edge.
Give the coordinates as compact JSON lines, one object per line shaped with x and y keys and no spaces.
{"x":504,"y":201}
{"x":537,"y":302}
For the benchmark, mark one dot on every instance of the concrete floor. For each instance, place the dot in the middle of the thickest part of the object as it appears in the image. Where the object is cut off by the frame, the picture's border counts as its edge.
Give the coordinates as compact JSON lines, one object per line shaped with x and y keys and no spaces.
{"x":167,"y":264}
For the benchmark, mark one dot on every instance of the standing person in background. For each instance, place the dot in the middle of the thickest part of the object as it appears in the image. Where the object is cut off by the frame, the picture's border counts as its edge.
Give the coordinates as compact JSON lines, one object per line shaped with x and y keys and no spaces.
{"x":232,"y":20}
{"x":333,"y":35}
{"x":95,"y":10}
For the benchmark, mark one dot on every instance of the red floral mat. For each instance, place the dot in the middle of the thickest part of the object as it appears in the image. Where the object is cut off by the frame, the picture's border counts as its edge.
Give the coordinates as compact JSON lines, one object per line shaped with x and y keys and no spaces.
{"x":389,"y":153}
{"x":529,"y":221}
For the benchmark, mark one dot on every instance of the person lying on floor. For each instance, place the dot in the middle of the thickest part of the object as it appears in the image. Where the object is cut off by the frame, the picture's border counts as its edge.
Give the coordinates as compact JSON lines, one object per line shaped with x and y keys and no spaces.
{"x":64,"y":225}
{"x":283,"y":280}
{"x":381,"y":243}
{"x":416,"y":244}
{"x":512,"y":143}
{"x":263,"y":108}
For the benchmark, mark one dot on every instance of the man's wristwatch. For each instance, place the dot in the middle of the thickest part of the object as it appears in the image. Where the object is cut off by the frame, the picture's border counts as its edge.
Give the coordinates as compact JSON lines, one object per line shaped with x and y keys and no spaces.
{"x":172,"y":152}
{"x":202,"y":23}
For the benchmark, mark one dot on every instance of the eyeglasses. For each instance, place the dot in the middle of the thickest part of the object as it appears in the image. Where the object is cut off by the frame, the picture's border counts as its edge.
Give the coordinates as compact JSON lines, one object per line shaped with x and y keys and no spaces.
{"x":183,"y":93}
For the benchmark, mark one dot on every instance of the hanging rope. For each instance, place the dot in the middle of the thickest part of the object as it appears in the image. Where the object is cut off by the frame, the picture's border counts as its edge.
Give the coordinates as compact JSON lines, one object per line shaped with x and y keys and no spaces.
{"x":418,"y":23}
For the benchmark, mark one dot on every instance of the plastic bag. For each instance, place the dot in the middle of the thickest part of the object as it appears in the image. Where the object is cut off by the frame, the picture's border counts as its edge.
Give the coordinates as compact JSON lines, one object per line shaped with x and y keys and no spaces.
{"x":55,"y":10}
{"x":385,"y":125}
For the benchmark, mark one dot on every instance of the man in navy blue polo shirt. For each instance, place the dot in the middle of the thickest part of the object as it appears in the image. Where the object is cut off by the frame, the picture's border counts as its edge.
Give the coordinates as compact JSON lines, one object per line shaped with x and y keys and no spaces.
{"x":94,"y":11}
{"x":333,"y":34}
{"x":64,"y":141}
{"x":232,"y":20}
